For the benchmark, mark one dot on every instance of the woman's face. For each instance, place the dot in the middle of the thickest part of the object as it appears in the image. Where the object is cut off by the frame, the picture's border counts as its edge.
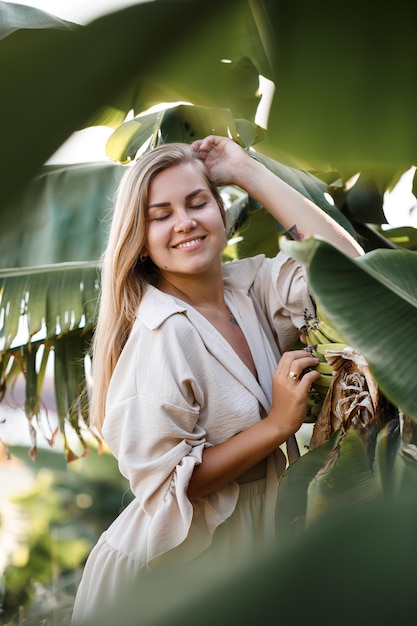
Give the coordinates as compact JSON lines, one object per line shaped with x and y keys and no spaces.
{"x":185,"y":233}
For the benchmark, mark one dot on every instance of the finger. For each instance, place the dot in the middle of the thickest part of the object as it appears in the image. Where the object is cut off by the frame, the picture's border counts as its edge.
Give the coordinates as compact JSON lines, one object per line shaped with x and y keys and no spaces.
{"x":207,"y":143}
{"x":308,"y":377}
{"x":293,"y":355}
{"x":296,"y":354}
{"x":300,"y":366}
{"x":196,"y":145}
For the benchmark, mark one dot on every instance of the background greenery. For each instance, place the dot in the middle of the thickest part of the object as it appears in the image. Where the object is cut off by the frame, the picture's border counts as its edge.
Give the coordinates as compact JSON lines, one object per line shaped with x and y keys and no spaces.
{"x":342,"y":123}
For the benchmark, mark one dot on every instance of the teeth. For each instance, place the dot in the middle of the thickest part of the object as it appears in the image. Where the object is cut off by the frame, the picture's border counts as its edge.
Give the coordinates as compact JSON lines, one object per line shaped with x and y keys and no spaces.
{"x":187,"y":244}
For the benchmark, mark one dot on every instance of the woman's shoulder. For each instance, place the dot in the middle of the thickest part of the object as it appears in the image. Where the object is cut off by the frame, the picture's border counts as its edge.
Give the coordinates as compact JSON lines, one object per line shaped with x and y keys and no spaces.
{"x":162,"y":319}
{"x":241,"y":273}
{"x":156,"y":307}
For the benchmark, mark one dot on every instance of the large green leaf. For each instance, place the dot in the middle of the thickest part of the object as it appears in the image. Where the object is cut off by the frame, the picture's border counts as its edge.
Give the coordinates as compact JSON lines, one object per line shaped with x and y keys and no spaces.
{"x":184,"y":123}
{"x":354,"y":567}
{"x":61,"y":217}
{"x":308,"y":185}
{"x":55,"y":80}
{"x":292,"y":493}
{"x":324,"y":107}
{"x":53,"y":300}
{"x":372,"y":301}
{"x":234,"y":83}
{"x":53,"y":307}
{"x":345,"y":479}
{"x":402,"y":236}
{"x":344,"y":93}
{"x":386,"y":455}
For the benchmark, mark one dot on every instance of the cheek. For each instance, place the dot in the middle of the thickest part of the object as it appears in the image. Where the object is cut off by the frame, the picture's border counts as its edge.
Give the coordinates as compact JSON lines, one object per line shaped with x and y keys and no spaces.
{"x":150,"y":238}
{"x":155,"y":241}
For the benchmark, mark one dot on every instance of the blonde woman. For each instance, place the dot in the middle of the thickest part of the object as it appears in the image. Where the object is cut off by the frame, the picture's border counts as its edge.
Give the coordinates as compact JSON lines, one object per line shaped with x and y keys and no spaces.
{"x":195,"y":386}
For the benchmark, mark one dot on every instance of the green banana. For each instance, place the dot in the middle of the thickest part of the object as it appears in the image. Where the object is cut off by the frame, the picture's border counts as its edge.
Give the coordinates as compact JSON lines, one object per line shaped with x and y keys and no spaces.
{"x":322,"y":347}
{"x":318,"y":331}
{"x":331,"y":333}
{"x":324,"y":368}
{"x":314,"y":404}
{"x":320,"y":336}
{"x":315,"y":336}
{"x":322,"y":390}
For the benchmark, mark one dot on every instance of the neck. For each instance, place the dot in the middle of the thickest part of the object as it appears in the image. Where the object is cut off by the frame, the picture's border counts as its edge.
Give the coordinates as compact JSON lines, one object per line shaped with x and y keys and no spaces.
{"x":199,"y":292}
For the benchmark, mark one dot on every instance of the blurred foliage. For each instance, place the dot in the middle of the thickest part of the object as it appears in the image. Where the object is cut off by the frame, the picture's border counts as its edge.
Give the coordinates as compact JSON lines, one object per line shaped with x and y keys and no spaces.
{"x":343,"y":569}
{"x":58,"y":214}
{"x":64,"y":509}
{"x":343,"y":107}
{"x":344,"y":93}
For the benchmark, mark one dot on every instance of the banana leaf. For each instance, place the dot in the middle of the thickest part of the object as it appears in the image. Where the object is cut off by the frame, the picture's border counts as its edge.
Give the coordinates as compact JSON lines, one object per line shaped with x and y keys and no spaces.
{"x":402,"y":236}
{"x":345,"y":94}
{"x":65,"y":77}
{"x":54,"y":308}
{"x":48,"y":73}
{"x":386,"y":456}
{"x":184,"y":123}
{"x":308,"y":185}
{"x":354,"y":552}
{"x":51,"y":300}
{"x":372,"y":301}
{"x":345,"y":479}
{"x":61,"y":217}
{"x":291,"y":507}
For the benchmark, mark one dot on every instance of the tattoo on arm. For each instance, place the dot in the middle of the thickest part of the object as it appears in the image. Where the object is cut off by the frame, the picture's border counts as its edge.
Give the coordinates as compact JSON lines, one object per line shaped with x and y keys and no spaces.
{"x":295,"y":233}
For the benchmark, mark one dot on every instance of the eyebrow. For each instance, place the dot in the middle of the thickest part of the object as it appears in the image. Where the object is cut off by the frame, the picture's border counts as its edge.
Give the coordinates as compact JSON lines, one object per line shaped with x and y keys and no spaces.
{"x":189,"y":196}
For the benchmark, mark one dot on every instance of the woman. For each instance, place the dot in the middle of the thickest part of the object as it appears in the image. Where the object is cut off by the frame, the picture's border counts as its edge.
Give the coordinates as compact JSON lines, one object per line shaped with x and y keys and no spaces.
{"x":196,"y":387}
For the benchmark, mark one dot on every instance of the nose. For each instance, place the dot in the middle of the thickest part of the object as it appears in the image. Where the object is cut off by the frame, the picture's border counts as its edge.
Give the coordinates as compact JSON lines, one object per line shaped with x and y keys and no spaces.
{"x":184,"y":221}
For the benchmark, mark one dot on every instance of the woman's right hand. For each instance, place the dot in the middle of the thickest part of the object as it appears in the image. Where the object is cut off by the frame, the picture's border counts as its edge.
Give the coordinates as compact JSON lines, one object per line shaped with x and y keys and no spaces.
{"x":291,"y":382}
{"x":224,"y":159}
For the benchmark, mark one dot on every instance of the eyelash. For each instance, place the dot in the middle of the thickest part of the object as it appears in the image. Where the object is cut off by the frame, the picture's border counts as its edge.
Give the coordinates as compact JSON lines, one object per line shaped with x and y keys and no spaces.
{"x":164,"y":217}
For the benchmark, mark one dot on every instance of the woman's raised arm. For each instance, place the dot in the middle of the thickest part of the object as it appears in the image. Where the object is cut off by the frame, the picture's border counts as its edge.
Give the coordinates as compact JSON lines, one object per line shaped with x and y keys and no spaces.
{"x":228,"y":163}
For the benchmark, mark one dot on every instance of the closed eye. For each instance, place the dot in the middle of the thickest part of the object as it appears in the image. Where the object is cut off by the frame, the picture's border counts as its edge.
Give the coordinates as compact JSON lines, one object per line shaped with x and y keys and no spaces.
{"x":158,"y":215}
{"x":159,"y":219}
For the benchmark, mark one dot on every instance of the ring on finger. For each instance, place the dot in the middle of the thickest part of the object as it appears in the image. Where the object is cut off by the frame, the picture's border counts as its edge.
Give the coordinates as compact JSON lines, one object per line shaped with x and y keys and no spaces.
{"x":293,"y":375}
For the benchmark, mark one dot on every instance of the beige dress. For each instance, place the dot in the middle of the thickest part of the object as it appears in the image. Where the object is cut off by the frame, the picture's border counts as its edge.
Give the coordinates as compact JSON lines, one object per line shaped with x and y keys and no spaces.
{"x":179,"y":387}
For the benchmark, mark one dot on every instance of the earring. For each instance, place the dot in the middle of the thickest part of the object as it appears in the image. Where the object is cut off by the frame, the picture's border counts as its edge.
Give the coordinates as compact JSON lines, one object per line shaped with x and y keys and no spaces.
{"x":142,"y":258}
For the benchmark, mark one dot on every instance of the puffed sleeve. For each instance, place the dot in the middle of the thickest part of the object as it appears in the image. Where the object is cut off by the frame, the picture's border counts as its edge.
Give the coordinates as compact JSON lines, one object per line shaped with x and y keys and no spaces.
{"x":281,"y":288}
{"x":152,"y":427}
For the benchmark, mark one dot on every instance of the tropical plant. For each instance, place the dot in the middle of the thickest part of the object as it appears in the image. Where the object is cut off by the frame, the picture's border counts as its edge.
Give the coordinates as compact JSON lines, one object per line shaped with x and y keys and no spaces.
{"x":371,"y":456}
{"x":49,"y":526}
{"x":50,"y":234}
{"x":332,"y":127}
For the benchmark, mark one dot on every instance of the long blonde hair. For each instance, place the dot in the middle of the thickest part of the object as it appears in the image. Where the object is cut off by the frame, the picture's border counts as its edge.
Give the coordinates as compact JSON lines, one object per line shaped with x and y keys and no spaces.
{"x":124,"y":273}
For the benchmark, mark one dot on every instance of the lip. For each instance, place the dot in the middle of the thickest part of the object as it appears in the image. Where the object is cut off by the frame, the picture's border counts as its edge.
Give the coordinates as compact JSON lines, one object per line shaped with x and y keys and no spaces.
{"x":189,"y":244}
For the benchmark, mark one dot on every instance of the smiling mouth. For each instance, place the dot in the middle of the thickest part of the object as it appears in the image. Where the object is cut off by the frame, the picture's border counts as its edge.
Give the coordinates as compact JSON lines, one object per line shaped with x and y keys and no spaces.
{"x":188,"y":244}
